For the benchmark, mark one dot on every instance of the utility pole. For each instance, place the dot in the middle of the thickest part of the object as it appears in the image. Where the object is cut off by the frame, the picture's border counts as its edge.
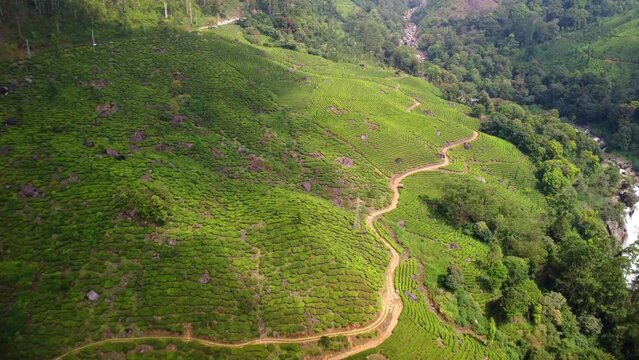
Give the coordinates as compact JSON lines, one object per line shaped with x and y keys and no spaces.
{"x":93,"y":38}
{"x":18,"y":23}
{"x":166,"y":11}
{"x":357,"y":225}
{"x":28,"y":49}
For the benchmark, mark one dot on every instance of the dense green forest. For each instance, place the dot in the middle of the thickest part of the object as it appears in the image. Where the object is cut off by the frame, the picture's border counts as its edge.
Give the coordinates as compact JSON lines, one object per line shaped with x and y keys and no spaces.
{"x":506,"y":252}
{"x":549,"y":54}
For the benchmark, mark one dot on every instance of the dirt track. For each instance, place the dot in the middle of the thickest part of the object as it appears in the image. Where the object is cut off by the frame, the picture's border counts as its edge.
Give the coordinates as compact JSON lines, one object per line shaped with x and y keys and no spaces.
{"x":414,"y":105}
{"x":391,"y":302}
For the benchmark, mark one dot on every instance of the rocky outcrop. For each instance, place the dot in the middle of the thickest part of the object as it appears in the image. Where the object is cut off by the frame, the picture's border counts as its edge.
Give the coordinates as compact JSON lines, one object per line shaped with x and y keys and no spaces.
{"x":617,"y":230}
{"x":410,"y":33}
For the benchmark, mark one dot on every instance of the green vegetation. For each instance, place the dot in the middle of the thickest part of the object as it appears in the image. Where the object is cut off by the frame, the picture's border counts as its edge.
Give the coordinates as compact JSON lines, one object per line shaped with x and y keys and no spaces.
{"x":176,"y":208}
{"x":421,"y":334}
{"x":168,"y":349}
{"x":577,"y":57}
{"x":53,"y":25}
{"x":168,"y":191}
{"x":221,"y":194}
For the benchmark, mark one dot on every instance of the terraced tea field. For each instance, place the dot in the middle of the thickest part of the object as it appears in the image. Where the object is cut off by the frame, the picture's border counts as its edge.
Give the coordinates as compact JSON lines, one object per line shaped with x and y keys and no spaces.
{"x":216,"y":198}
{"x":184,"y":196}
{"x":420,"y":334}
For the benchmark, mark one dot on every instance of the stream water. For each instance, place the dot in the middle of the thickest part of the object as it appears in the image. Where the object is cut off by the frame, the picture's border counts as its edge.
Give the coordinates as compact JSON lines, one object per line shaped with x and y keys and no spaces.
{"x":631,"y":220}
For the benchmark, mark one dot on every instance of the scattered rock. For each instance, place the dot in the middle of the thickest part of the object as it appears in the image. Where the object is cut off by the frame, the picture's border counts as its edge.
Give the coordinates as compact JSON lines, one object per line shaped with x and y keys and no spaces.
{"x":345,"y":161}
{"x":364,"y":137}
{"x":11,"y":122}
{"x":467,"y":146}
{"x":141,"y":349}
{"x":6,"y":149}
{"x":147,"y":176}
{"x":399,"y":161}
{"x":178,"y":120}
{"x":114,"y":154}
{"x":172,"y":242}
{"x":242,"y":149}
{"x":28,"y":80}
{"x":376,"y":357}
{"x":100,"y":84}
{"x":92,"y":295}
{"x":30,"y":191}
{"x":128,"y":332}
{"x":217,"y":154}
{"x":171,"y":348}
{"x":307,"y":186}
{"x":411,"y":295}
{"x":4,"y":90}
{"x":162,"y":147}
{"x":269,"y":135}
{"x":106,"y":109}
{"x":137,"y":136}
{"x":617,"y":230}
{"x":157,"y":239}
{"x":178,"y":76}
{"x":402,"y":223}
{"x":187,"y":145}
{"x":629,"y":198}
{"x":317,"y":155}
{"x":371,"y":126}
{"x":89,"y":143}
{"x":257,"y":163}
{"x":453,"y":246}
{"x":337,"y":111}
{"x":205,"y":278}
{"x":72,"y":179}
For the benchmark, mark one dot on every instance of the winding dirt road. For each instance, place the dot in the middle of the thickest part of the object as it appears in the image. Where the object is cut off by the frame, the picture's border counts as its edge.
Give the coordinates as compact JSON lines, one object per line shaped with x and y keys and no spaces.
{"x":391,"y":301}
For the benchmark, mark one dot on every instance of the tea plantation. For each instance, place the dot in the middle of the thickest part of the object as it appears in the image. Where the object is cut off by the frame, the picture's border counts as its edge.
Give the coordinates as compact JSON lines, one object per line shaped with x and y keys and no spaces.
{"x":168,"y":180}
{"x":196,"y":185}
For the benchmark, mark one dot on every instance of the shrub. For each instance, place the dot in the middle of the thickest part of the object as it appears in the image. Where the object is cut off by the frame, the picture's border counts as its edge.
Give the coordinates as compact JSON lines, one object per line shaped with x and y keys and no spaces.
{"x":590,"y":325}
{"x":455,"y":279}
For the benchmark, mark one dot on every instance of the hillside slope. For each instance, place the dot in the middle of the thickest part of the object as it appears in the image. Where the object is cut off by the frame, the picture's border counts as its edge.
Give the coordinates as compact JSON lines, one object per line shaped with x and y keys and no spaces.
{"x":194,"y":193}
{"x":208,"y":196}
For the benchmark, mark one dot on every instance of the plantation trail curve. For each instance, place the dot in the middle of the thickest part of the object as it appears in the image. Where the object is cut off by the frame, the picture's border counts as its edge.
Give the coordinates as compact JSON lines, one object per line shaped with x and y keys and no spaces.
{"x":413,"y":106}
{"x":228,"y":21}
{"x":392,"y":304}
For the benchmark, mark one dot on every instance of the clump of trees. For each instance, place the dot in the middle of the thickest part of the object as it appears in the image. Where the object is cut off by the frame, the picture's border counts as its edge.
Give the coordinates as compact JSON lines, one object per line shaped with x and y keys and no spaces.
{"x":370,"y":32}
{"x":568,"y":252}
{"x":495,"y":55}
